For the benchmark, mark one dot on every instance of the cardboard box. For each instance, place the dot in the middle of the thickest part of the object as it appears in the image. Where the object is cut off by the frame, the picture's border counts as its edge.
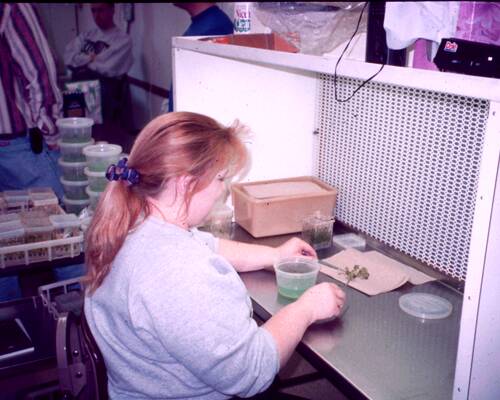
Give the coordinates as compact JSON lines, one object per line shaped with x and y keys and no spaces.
{"x":269,"y":41}
{"x":277,"y":207}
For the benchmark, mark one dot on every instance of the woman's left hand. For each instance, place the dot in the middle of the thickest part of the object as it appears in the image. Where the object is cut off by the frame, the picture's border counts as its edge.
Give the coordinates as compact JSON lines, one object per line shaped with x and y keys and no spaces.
{"x":296,"y":247}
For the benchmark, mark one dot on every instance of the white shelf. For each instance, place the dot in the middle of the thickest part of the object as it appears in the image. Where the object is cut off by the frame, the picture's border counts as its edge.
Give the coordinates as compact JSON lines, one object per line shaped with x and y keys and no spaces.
{"x":464,"y":85}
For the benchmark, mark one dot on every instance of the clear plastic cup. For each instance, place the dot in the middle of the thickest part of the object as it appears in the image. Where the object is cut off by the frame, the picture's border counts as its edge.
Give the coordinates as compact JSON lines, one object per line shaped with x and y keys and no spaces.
{"x":97,"y":180}
{"x":94,"y":197}
{"x":75,"y":130}
{"x":295,"y":275}
{"x":220,"y":221}
{"x":100,"y":156}
{"x":75,"y":190}
{"x":317,"y":230}
{"x":75,"y":206}
{"x":73,"y":171}
{"x":73,"y":152}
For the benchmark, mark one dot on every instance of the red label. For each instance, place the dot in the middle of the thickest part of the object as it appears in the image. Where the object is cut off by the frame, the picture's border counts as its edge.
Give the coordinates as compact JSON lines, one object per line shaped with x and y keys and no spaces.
{"x":450,"y":47}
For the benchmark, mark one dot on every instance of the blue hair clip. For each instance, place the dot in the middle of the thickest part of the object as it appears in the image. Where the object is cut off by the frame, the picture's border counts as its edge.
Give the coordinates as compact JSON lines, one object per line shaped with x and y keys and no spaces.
{"x":121,"y":171}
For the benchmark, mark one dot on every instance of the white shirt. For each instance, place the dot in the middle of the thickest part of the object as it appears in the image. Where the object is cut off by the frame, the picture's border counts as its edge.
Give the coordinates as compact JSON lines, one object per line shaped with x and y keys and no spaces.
{"x":113,"y":49}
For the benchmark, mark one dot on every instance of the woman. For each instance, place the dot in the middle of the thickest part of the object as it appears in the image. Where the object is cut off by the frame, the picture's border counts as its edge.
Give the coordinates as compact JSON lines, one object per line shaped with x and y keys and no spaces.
{"x":164,"y":300}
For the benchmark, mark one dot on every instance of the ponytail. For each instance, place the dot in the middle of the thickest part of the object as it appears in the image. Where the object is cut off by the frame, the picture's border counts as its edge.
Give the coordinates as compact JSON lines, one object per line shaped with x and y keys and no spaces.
{"x":117,"y":212}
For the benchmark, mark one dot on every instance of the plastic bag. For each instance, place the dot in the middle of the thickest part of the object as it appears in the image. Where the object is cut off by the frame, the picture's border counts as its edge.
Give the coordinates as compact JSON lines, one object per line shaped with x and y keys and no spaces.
{"x":314,"y":27}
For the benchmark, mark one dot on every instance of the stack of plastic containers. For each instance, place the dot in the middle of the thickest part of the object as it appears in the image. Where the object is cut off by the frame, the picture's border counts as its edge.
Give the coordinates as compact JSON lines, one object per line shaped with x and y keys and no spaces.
{"x":76,"y":133}
{"x":99,"y":157}
{"x":34,"y":228}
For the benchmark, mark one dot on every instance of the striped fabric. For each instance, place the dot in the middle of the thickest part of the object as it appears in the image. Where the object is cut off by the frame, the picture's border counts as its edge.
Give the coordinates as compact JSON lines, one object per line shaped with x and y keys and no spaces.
{"x":29,"y":96}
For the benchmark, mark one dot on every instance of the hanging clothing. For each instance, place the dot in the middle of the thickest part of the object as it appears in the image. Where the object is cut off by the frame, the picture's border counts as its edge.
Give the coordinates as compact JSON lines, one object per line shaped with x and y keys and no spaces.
{"x":29,"y":96}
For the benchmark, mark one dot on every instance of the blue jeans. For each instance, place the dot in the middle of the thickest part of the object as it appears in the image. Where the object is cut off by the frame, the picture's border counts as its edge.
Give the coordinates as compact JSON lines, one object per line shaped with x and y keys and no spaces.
{"x":20,"y":169}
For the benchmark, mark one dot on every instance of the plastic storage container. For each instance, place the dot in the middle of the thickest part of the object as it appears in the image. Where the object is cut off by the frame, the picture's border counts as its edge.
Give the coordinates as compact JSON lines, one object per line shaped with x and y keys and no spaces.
{"x":93,"y":197}
{"x":65,"y":226}
{"x":97,"y":180}
{"x":16,"y":200}
{"x":73,"y":171}
{"x":73,"y":152}
{"x":11,"y":235}
{"x":75,"y":206}
{"x":100,"y":156}
{"x":295,"y":275}
{"x":75,"y":130}
{"x":11,"y":230}
{"x":6,"y":219}
{"x":37,"y":225}
{"x":44,"y":191}
{"x":277,"y":207}
{"x":75,"y":190}
{"x":44,"y":198}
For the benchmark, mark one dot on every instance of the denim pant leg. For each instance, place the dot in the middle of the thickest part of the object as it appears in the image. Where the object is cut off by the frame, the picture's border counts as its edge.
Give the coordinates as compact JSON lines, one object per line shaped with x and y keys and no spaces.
{"x":20,"y":168}
{"x":9,"y":288}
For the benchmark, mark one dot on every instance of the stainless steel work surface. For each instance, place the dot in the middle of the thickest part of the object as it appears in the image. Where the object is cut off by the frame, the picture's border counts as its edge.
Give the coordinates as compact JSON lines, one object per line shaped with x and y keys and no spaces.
{"x":376,"y":347}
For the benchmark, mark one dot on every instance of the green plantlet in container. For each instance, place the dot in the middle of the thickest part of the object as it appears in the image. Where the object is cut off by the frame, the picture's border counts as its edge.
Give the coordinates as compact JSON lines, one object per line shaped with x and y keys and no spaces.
{"x":317,"y":230}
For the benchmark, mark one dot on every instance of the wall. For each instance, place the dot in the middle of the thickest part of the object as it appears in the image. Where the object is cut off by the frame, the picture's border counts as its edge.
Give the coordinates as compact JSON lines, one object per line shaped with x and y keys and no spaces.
{"x":58,"y":33}
{"x":153,"y":27}
{"x":151,"y":31}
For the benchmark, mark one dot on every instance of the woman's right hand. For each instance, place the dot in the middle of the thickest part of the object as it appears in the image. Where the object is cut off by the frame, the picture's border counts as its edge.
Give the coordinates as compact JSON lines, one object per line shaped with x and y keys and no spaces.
{"x":324,"y":300}
{"x":288,"y":326}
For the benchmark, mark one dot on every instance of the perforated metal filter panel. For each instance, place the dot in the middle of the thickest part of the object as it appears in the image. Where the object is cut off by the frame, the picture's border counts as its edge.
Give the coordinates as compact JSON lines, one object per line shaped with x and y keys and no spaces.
{"x":406,"y":163}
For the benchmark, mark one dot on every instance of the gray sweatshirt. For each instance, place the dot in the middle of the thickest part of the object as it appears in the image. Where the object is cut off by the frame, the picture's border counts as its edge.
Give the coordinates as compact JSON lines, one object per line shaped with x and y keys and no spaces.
{"x":174,"y":320}
{"x":113,"y":48}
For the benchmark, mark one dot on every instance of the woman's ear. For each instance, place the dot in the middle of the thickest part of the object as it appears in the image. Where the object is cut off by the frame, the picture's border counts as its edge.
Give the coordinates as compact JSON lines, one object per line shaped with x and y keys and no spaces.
{"x":182,"y":183}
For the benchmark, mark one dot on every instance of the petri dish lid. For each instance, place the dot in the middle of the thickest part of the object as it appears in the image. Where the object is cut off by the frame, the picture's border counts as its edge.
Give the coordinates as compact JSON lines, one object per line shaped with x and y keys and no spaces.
{"x":349,"y":240}
{"x":425,"y":305}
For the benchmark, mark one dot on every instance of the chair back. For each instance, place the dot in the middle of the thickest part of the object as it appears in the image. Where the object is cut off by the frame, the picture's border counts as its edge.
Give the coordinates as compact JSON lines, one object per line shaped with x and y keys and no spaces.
{"x":81,"y":367}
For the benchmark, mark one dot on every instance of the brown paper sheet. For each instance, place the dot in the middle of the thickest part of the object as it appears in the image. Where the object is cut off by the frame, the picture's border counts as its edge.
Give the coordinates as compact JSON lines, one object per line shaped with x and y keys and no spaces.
{"x":277,"y":189}
{"x":415,"y":276}
{"x":383,"y":278}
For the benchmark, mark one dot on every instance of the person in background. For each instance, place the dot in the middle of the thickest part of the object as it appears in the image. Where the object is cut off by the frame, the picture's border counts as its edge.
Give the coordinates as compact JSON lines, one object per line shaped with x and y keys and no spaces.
{"x":30,"y":102}
{"x":206,"y":19}
{"x":164,"y":300}
{"x":103,"y":53}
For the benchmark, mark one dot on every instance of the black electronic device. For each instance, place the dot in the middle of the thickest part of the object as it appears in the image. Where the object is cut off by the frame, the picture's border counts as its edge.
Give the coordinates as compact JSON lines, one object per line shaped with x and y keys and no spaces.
{"x":466,"y":57}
